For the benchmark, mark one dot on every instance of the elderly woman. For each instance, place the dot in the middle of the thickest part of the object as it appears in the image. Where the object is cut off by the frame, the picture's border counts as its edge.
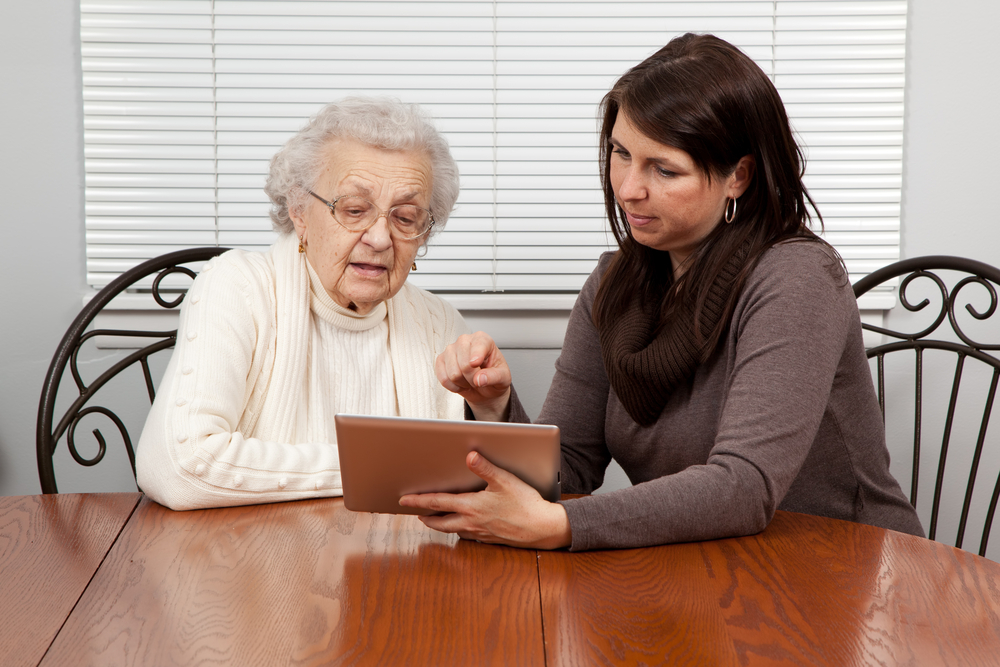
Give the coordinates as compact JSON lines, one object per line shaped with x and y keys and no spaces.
{"x":717,"y":355}
{"x":272,"y":345}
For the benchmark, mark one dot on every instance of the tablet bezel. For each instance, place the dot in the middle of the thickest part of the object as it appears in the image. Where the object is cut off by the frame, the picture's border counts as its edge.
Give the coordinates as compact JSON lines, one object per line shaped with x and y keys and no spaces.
{"x":385,"y":458}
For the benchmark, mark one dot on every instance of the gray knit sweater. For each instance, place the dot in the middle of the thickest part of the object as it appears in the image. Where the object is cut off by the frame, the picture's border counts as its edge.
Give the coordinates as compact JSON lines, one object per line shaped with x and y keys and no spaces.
{"x":783,"y":416}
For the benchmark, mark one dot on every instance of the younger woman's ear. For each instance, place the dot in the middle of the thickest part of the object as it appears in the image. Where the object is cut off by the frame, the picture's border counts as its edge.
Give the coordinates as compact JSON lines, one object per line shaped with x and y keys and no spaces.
{"x":742,"y":176}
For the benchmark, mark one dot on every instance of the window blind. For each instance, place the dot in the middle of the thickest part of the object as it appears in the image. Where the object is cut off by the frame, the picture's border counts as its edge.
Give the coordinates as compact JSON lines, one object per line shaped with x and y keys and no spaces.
{"x":185,"y":101}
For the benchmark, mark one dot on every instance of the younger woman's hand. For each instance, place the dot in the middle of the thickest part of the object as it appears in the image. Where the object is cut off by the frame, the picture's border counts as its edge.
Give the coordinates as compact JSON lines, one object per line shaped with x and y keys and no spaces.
{"x":474,"y":368}
{"x":508,"y":511}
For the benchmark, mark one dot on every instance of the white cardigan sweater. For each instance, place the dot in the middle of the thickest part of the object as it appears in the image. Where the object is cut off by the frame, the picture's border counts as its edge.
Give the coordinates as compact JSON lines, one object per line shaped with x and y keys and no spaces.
{"x":228,"y":424}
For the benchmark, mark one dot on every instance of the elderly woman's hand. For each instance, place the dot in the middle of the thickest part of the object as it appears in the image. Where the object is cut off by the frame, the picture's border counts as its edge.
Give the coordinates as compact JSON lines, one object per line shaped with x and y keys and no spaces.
{"x":474,"y":368}
{"x":508,"y":511}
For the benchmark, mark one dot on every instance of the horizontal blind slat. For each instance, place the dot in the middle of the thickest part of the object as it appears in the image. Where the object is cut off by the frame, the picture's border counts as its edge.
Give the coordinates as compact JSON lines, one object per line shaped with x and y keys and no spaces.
{"x":177,"y":143}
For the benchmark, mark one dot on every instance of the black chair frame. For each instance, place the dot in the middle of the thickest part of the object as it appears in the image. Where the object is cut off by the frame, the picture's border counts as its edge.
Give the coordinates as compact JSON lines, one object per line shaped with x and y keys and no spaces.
{"x":978,"y":273}
{"x":47,"y":437}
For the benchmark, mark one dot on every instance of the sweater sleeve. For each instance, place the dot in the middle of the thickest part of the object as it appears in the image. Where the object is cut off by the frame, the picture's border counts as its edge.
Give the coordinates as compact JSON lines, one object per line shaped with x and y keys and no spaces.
{"x":194,"y":451}
{"x":789,"y":331}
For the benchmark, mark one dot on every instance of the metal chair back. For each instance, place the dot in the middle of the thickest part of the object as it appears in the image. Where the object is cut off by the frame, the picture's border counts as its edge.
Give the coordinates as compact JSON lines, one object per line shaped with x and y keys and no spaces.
{"x":979,"y":282}
{"x":48,"y":436}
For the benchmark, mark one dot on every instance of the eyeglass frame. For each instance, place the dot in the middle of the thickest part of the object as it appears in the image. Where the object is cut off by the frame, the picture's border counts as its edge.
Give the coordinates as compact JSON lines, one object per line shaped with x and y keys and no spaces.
{"x":333,"y":214}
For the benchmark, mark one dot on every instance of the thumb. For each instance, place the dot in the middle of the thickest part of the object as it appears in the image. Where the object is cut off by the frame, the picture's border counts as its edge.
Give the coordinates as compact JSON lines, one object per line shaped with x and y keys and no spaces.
{"x":478,"y":464}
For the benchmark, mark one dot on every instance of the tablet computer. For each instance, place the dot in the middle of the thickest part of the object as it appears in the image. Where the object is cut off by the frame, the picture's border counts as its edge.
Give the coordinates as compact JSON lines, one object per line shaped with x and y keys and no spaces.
{"x":385,"y":458}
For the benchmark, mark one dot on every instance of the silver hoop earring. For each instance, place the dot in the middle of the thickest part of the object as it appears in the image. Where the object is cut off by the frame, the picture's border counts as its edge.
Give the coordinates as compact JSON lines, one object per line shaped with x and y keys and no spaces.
{"x":730,"y":216}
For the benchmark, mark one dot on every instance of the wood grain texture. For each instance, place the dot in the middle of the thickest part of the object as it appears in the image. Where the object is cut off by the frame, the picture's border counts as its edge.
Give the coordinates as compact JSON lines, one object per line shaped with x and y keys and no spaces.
{"x":806,"y":591}
{"x":302,"y":583}
{"x":650,"y":606}
{"x":50,"y":547}
{"x":817,"y":591}
{"x":312,"y":583}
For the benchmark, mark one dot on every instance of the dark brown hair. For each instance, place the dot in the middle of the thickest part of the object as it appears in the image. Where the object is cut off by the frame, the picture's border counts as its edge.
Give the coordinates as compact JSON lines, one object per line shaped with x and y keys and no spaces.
{"x":706,"y":97}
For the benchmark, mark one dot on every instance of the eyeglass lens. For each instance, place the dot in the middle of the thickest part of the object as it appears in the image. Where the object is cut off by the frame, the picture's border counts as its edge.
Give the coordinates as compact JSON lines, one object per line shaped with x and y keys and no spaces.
{"x":358,"y":213}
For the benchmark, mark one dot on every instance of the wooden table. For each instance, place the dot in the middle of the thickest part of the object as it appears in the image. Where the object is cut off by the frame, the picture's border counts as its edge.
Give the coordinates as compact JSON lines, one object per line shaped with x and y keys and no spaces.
{"x":50,"y":547}
{"x":312,"y":583}
{"x":806,"y":591}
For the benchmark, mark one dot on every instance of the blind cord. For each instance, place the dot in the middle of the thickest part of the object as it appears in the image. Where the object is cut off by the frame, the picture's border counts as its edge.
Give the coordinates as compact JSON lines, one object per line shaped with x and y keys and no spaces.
{"x":494,"y":277}
{"x":215,"y":130}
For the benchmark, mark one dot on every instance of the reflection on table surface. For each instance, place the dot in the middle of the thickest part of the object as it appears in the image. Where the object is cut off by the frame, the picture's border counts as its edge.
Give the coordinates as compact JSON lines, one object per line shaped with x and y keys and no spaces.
{"x":310,"y":582}
{"x":807,"y":590}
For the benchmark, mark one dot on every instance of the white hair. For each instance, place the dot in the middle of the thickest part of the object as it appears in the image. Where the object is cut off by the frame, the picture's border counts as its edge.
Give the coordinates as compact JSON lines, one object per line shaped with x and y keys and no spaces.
{"x":381,"y":122}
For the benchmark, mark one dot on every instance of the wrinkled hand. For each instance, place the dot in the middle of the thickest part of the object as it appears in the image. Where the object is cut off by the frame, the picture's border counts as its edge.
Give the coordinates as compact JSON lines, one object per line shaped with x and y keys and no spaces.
{"x":474,"y":368}
{"x":508,"y":511}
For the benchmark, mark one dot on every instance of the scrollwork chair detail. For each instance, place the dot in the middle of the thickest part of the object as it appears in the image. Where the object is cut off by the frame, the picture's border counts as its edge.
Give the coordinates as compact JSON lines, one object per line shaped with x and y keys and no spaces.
{"x":47,"y":437}
{"x":976,"y":278}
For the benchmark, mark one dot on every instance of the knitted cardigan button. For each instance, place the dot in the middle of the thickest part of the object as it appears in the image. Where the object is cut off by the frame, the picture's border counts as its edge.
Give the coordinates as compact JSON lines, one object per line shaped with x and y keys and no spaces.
{"x":195,"y":299}
{"x":238,"y":480}
{"x":199,"y":469}
{"x":282,"y":483}
{"x":182,"y":437}
{"x":187,"y":370}
{"x":181,"y":401}
{"x":191,"y":335}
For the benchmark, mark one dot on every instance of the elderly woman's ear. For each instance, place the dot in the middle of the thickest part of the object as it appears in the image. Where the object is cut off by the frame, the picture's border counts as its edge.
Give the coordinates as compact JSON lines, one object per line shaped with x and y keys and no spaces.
{"x":295,"y":213}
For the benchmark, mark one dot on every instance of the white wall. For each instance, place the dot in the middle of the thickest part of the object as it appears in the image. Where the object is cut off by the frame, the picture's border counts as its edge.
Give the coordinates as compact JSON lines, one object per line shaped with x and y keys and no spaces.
{"x":949,"y":204}
{"x":952,"y":144}
{"x":950,"y":183}
{"x":41,"y":190}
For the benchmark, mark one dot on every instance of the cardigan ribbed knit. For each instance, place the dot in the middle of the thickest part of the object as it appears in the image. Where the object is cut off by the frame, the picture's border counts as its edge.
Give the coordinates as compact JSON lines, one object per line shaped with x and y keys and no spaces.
{"x":350,"y":369}
{"x":232,"y":423}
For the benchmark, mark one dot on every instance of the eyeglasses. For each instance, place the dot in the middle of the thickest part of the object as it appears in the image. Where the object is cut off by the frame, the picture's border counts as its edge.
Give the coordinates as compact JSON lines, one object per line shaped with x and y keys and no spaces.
{"x":357,"y":214}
